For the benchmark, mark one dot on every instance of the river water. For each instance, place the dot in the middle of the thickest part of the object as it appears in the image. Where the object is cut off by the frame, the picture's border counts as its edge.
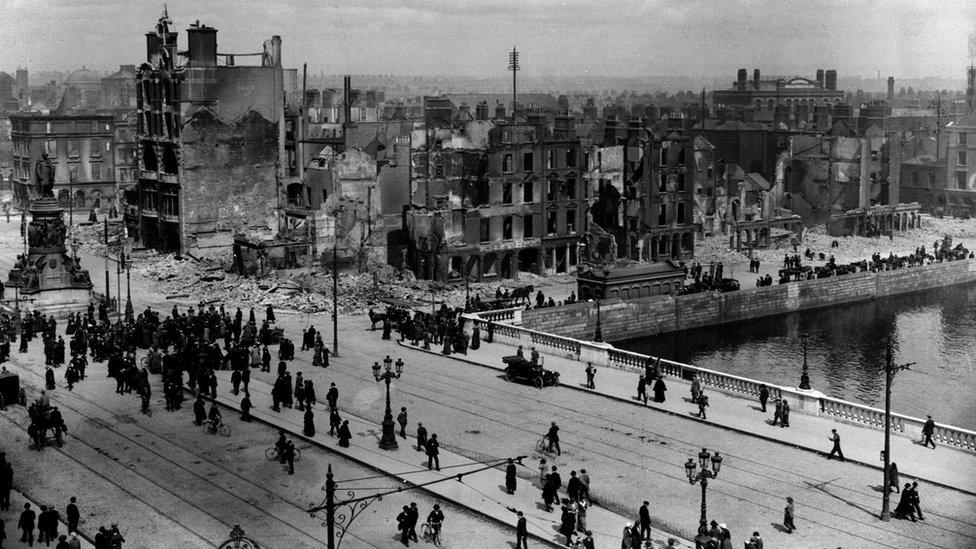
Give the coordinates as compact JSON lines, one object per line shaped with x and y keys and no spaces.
{"x":846,"y":349}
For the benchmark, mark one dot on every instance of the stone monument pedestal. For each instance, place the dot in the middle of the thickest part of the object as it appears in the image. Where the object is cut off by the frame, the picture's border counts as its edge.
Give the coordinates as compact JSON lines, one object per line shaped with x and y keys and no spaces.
{"x":49,"y":280}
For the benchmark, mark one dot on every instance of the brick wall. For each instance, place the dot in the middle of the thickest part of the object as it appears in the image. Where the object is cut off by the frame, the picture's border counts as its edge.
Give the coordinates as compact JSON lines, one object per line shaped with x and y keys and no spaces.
{"x":660,"y":314}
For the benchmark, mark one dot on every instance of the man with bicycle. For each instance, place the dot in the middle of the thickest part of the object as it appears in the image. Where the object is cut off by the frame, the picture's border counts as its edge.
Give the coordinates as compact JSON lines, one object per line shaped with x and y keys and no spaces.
{"x":434,"y":522}
{"x":553,"y":436}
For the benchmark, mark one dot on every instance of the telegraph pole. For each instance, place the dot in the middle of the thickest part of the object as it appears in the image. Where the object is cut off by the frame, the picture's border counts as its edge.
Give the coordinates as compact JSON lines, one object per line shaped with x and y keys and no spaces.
{"x":513,"y":65}
{"x":890,"y":370}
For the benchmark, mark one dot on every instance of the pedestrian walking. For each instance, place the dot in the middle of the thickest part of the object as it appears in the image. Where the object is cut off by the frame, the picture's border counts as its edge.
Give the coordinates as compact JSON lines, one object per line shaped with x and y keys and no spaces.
{"x":309,"y":423}
{"x":521,"y":532}
{"x":290,"y":456}
{"x":421,"y":437}
{"x":645,"y":521}
{"x":567,"y":521}
{"x":413,"y":515}
{"x":543,"y":471}
{"x":199,"y":411}
{"x":788,"y":516}
{"x":755,"y":542}
{"x":696,"y":389}
{"x":343,"y":434}
{"x":778,"y":412}
{"x":835,"y":438}
{"x":433,"y":452}
{"x":914,"y":501}
{"x":584,"y":485}
{"x":72,"y":514}
{"x":581,"y":508}
{"x":785,"y":419}
{"x":246,"y":407}
{"x":927,"y":431}
{"x":550,"y":489}
{"x":905,"y":507}
{"x":893,"y":477}
{"x":642,"y":388}
{"x":332,"y":396}
{"x":334,"y":422}
{"x":659,"y":389}
{"x":763,"y":396}
{"x":26,"y":524}
{"x":553,"y":436}
{"x":590,"y":374}
{"x":403,"y":520}
{"x":402,"y":420}
{"x":510,"y":477}
{"x":702,"y":404}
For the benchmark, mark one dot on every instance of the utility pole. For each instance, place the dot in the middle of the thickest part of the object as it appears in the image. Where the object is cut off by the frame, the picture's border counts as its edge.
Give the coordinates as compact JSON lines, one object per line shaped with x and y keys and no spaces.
{"x":513,"y":65}
{"x":108,"y":284}
{"x":335,"y":282}
{"x":890,"y":370}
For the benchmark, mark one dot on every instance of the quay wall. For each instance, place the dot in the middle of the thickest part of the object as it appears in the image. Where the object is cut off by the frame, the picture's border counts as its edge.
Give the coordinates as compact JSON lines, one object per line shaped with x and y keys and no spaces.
{"x":646,"y":316}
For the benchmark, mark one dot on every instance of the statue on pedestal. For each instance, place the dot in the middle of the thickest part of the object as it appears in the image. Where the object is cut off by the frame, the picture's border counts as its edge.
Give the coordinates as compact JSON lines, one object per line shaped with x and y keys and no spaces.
{"x":44,"y":176}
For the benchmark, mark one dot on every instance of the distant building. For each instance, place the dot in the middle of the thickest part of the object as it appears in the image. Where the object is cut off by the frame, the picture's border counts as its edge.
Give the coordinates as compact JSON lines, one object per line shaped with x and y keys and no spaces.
{"x":765,"y":93}
{"x":960,"y":192}
{"x":923,"y":180}
{"x":80,"y":146}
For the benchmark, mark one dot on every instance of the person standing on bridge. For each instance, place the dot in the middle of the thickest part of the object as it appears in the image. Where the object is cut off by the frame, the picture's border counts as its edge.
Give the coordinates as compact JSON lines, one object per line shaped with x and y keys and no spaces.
{"x":510,"y":476}
{"x":26,"y":525}
{"x":642,"y":388}
{"x":763,"y":396}
{"x":332,"y":397}
{"x":785,"y":419}
{"x":696,"y":389}
{"x":927,"y":431}
{"x":421,"y":437}
{"x":521,"y":532}
{"x":590,"y":374}
{"x":659,"y":389}
{"x":433,"y":451}
{"x":702,"y":404}
{"x":788,"y":515}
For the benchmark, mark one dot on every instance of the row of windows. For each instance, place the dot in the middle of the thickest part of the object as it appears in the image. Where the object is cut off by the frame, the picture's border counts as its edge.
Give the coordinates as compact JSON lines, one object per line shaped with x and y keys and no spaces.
{"x":552,"y":160}
{"x":568,"y":188}
{"x":528,"y":225}
{"x":75,"y":126}
{"x":681,"y":214}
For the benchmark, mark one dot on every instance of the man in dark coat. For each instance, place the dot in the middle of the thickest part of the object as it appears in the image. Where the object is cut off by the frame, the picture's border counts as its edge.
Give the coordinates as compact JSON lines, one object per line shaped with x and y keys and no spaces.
{"x":72,"y":514}
{"x":199,"y":411}
{"x":344,"y":435}
{"x":550,"y":490}
{"x":510,"y":477}
{"x":574,"y":487}
{"x":421,"y":437}
{"x":763,"y":396}
{"x":645,"y":521}
{"x":521,"y":533}
{"x":927,"y":431}
{"x":26,"y":524}
{"x":553,"y":436}
{"x":433,"y":452}
{"x":332,"y":397}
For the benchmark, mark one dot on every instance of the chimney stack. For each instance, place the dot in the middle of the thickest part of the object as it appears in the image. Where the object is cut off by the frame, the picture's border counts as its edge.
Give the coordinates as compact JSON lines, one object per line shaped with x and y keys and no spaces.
{"x":820,"y":78}
{"x":831,"y":80}
{"x":864,"y":196}
{"x":346,"y":99}
{"x":891,"y":90}
{"x":743,"y":77}
{"x":755,"y":78}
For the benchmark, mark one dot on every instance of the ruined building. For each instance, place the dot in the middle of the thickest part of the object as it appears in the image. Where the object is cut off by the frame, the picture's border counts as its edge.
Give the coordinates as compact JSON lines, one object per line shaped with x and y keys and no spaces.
{"x":211,"y":141}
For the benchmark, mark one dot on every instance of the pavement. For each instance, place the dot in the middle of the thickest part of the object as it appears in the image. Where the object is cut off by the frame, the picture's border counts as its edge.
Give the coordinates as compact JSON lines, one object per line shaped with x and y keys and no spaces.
{"x":944,"y":466}
{"x":481,"y":492}
{"x":10,"y":518}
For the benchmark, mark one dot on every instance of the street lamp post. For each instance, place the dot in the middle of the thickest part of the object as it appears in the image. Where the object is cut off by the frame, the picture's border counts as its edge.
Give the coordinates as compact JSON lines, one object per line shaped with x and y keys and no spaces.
{"x":335,"y":282}
{"x":388,"y":441}
{"x":702,"y":476}
{"x":128,"y":287}
{"x":804,"y":376}
{"x":890,"y":369}
{"x":118,"y":279}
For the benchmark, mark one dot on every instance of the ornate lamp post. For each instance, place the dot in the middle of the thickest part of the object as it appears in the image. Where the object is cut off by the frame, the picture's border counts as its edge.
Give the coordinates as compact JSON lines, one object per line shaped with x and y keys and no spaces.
{"x":804,"y":376}
{"x":702,"y":476}
{"x":128,"y":287}
{"x":388,"y":442}
{"x":890,"y":369}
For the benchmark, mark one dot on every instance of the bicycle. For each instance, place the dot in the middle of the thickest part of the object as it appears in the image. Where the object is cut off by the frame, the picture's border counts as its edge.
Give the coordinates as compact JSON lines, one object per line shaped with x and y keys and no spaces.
{"x":222,"y":429}
{"x":272,"y":453}
{"x":432,"y":532}
{"x":543,"y":445}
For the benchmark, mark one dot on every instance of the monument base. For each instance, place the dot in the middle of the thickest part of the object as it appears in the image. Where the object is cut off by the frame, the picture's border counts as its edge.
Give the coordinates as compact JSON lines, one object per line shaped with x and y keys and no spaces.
{"x":57,"y":302}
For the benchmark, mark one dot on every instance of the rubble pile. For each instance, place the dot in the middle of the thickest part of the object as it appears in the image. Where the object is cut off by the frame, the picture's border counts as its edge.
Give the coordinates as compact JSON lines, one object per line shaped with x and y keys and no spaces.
{"x":849,"y":248}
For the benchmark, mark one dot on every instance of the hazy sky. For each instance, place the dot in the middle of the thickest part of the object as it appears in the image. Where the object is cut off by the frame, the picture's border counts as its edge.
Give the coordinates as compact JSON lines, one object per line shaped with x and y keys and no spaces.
{"x":904,"y":38}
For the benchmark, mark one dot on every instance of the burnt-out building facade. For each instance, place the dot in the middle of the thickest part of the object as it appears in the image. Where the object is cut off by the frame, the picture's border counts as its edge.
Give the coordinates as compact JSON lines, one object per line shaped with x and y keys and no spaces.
{"x":210,"y":141}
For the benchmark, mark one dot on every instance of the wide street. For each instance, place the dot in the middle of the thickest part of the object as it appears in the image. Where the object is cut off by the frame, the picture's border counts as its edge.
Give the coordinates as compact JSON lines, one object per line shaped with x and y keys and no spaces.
{"x":165,"y":469}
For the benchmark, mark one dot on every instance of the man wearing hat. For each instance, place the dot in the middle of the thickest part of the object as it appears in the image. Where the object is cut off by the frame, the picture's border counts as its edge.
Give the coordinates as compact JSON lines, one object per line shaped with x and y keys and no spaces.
{"x":521,"y":533}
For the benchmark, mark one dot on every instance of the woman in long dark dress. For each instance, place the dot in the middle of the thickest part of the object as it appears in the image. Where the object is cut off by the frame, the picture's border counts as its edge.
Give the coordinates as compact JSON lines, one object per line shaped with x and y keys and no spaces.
{"x":659,"y":389}
{"x":344,"y":434}
{"x":309,"y":423}
{"x":904,"y":508}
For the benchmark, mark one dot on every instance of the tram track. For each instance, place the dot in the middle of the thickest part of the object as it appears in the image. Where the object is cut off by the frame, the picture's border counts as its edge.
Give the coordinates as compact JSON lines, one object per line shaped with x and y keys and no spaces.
{"x":503,"y":417}
{"x":103,"y":423}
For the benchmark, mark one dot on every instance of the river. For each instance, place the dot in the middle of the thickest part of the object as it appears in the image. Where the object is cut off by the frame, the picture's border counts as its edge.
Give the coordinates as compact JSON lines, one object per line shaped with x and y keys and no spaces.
{"x":846,"y":349}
